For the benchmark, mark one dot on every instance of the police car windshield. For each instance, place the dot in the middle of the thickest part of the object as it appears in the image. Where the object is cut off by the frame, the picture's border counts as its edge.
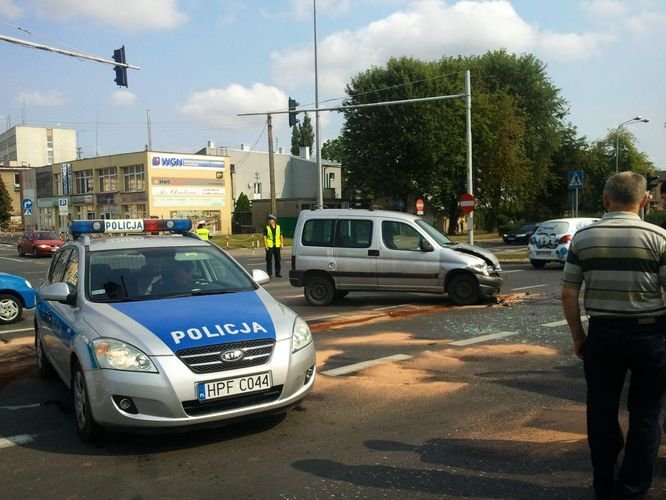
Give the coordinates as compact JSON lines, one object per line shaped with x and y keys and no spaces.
{"x":156,"y":273}
{"x":434,"y":233}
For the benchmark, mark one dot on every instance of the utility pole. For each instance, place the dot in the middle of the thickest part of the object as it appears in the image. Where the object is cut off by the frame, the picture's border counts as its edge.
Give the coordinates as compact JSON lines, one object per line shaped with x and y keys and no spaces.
{"x":470,"y":176}
{"x":271,"y":163}
{"x":150,"y":134}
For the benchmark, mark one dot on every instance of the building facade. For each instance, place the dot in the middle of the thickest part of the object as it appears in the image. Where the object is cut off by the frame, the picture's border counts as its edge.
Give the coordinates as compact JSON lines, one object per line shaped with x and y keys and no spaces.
{"x":37,"y":146}
{"x":132,"y":186}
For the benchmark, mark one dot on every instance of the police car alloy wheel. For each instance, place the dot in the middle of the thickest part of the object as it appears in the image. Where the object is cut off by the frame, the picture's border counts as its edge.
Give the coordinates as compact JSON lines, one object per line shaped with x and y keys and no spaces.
{"x":43,"y":364}
{"x":85,"y":423}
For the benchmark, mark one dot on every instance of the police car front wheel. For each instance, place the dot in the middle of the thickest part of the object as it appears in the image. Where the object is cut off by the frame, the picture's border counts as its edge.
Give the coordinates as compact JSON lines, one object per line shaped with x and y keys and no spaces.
{"x":87,"y":428}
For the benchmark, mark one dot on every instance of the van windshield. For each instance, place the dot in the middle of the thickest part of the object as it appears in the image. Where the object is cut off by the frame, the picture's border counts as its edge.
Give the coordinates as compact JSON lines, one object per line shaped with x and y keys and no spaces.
{"x":434,"y":233}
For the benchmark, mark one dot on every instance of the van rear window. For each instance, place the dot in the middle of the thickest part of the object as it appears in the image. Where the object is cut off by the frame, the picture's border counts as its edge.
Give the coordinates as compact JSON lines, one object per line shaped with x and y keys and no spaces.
{"x":318,"y":233}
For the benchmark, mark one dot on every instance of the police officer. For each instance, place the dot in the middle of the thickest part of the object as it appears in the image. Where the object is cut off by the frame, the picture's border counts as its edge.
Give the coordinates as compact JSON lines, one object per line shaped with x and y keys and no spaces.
{"x":202,"y":231}
{"x":273,"y":242}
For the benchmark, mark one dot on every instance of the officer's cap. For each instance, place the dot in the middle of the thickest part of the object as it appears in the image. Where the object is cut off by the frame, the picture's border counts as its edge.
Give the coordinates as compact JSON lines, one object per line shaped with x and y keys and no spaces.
{"x":271,"y":216}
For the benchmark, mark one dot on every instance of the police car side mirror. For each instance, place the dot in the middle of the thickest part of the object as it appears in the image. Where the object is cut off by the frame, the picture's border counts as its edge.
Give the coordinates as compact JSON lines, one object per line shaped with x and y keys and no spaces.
{"x":59,"y":292}
{"x":425,"y":246}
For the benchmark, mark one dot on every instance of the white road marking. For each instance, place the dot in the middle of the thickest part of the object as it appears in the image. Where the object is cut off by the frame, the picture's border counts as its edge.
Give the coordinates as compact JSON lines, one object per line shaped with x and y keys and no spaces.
{"x":561,"y":323}
{"x":319,"y":318}
{"x":17,"y":440}
{"x":482,"y":338}
{"x":526,"y":287}
{"x":14,"y":408}
{"x":345,"y":370}
{"x":513,"y":271}
{"x":14,"y":260}
{"x":18,"y":330}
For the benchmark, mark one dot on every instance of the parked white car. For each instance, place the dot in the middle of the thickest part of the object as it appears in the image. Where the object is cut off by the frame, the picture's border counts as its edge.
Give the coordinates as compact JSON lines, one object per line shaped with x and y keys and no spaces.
{"x":551,"y":241}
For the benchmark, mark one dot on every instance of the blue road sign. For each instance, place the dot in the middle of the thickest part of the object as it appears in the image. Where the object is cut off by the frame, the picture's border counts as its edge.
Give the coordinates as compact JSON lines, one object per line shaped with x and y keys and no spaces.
{"x":575,"y":179}
{"x":27,"y":206}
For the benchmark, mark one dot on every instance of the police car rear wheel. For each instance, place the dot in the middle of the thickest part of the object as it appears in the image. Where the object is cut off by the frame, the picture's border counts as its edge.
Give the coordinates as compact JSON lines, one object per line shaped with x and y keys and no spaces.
{"x":463,"y":290}
{"x":10,"y":309}
{"x":43,"y":364}
{"x":86,"y":426}
{"x":538,"y":264}
{"x":319,"y":290}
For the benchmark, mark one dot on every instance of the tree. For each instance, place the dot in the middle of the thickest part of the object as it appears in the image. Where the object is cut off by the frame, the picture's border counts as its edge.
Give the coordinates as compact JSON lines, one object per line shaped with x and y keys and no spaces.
{"x":420,"y":149}
{"x":6,"y":209}
{"x":243,"y":203}
{"x":332,"y":150}
{"x":302,"y":136}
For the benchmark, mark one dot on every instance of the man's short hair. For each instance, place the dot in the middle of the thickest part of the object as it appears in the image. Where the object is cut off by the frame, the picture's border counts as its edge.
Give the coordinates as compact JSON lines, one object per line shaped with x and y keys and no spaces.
{"x":626,"y":188}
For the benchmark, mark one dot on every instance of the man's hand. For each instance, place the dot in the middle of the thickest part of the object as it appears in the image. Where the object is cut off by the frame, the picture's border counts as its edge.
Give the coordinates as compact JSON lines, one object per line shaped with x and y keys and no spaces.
{"x":572,"y":315}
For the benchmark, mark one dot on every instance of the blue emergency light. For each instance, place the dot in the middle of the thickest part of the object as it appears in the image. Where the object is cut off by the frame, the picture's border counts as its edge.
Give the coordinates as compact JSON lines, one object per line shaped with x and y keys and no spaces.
{"x":78,"y":227}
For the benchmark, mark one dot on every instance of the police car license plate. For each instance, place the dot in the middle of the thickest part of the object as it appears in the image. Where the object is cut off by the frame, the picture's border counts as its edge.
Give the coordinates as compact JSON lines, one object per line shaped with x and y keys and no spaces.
{"x":543,"y":253}
{"x":234,"y":386}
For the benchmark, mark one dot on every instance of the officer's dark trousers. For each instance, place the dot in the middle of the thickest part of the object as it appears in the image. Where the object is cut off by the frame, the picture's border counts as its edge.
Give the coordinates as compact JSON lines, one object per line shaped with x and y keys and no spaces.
{"x":273,"y":254}
{"x":613,"y":348}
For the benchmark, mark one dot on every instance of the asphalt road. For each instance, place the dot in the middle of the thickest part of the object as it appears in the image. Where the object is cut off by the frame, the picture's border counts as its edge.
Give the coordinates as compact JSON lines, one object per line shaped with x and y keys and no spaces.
{"x":415,"y":398}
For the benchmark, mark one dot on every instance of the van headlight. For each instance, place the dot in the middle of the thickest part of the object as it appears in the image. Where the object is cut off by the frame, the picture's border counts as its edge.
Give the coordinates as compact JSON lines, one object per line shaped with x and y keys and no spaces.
{"x":113,"y":354}
{"x":301,"y":335}
{"x":481,"y":268}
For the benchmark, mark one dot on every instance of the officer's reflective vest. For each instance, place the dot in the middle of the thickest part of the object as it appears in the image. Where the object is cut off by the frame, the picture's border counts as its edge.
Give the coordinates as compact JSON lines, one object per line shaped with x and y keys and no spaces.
{"x":273,"y":240}
{"x":202,"y":232}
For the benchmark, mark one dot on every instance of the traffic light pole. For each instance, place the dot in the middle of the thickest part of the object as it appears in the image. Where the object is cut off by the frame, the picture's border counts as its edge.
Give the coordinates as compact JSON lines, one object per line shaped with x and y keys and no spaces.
{"x":470,"y":177}
{"x":271,"y":163}
{"x":78,"y":55}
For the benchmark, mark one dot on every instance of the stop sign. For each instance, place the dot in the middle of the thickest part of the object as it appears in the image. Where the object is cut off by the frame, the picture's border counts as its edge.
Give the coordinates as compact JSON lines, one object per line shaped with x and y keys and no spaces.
{"x":466,"y":203}
{"x":419,"y":205}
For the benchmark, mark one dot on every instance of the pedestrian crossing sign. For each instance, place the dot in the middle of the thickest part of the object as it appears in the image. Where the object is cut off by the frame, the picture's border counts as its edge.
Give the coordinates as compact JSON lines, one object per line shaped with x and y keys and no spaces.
{"x":575,"y":179}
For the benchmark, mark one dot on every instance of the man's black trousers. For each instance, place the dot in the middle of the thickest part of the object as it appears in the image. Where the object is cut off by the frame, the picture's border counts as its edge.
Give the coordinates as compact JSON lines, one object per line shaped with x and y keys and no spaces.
{"x":613,"y":348}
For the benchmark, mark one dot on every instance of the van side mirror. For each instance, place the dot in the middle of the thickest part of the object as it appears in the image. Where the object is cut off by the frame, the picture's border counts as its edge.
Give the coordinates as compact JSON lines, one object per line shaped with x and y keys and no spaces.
{"x":425,"y":246}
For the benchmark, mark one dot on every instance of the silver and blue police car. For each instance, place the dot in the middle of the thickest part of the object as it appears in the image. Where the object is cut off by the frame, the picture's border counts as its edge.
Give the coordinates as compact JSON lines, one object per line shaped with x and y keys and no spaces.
{"x":165,"y":331}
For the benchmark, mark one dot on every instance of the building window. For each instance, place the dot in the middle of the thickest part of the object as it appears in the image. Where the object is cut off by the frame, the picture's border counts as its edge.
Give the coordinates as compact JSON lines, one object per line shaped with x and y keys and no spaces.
{"x":57,"y":184}
{"x":134,"y":211}
{"x":17,"y":182}
{"x":133,"y":178}
{"x":108,"y":211}
{"x":83,"y":181}
{"x":108,"y":180}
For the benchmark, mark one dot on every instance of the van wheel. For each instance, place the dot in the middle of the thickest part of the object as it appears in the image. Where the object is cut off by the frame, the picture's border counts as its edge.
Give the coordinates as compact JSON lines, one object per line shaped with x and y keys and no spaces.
{"x":463,"y":290}
{"x":319,"y":291}
{"x":538,"y":264}
{"x":88,"y":429}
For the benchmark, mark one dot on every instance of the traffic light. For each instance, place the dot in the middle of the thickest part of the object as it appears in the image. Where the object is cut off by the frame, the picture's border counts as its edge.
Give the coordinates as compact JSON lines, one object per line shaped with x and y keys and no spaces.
{"x":652,"y":181}
{"x":121,"y":71}
{"x":292,"y":112}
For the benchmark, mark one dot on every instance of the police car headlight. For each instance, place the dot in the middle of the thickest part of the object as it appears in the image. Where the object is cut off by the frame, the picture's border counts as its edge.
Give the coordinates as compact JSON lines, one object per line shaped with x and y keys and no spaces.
{"x":302,"y":335}
{"x":116,"y":355}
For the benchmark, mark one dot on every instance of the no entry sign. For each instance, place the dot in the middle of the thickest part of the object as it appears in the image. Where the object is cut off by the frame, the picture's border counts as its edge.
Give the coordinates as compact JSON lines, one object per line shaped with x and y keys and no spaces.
{"x":466,"y":203}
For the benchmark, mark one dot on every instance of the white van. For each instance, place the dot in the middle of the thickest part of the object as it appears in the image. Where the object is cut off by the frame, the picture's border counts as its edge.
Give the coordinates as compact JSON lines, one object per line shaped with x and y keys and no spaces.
{"x":336,"y":251}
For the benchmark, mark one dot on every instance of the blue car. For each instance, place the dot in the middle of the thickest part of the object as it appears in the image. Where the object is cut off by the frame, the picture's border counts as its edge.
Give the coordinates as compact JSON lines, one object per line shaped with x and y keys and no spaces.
{"x":16,"y":294}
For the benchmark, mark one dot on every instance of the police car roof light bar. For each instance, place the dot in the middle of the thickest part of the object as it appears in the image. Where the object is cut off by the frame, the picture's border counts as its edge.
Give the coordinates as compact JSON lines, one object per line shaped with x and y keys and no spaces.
{"x":78,"y":227}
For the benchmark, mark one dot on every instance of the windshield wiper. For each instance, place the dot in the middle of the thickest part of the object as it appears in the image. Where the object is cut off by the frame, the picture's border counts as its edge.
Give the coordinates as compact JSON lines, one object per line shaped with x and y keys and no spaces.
{"x":217,"y":292}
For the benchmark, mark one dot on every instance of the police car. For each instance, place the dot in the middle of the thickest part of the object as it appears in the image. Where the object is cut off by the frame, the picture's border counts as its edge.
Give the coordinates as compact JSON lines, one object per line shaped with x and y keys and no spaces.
{"x":165,"y":331}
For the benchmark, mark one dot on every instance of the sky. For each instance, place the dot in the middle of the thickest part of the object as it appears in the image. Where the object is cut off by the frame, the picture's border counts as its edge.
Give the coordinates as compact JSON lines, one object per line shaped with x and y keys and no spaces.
{"x":205,"y":61}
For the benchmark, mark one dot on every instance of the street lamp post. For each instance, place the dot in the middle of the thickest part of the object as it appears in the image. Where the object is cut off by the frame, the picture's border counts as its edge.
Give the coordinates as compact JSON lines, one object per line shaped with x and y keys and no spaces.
{"x":635,"y":119}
